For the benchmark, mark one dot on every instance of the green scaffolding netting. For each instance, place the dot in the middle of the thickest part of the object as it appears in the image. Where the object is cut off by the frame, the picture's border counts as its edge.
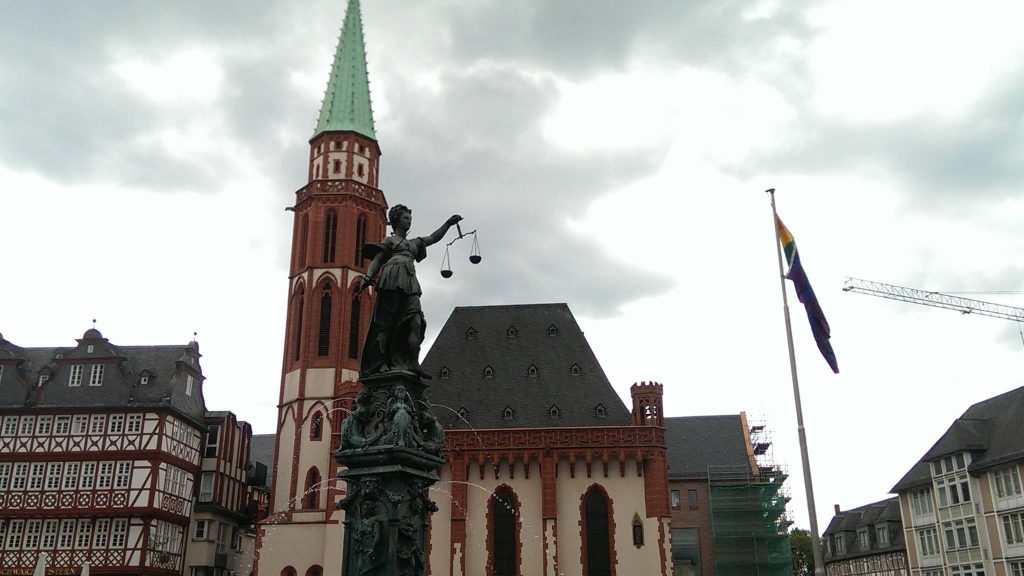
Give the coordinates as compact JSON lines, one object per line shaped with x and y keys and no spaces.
{"x":750,"y":528}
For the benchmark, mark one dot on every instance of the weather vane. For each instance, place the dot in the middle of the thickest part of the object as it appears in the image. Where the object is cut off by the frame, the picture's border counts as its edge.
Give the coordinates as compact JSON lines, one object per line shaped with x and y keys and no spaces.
{"x":474,"y":252}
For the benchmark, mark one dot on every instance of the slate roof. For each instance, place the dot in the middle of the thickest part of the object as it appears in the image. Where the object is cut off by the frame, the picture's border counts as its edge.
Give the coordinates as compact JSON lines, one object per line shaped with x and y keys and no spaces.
{"x":989,"y":429}
{"x":847,"y":522}
{"x":166,"y":369}
{"x":466,"y":354}
{"x":699,"y":446}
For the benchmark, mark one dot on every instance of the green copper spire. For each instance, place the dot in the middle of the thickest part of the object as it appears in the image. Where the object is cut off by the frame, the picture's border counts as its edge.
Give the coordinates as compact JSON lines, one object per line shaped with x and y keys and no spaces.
{"x":346,"y":104}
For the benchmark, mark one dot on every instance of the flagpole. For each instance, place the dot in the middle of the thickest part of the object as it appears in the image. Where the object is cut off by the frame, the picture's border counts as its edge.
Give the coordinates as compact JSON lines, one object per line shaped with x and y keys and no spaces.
{"x":819,"y":566}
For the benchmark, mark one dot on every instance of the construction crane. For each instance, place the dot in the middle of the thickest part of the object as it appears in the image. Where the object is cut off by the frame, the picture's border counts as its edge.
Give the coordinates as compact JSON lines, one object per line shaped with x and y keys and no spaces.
{"x":935,"y":299}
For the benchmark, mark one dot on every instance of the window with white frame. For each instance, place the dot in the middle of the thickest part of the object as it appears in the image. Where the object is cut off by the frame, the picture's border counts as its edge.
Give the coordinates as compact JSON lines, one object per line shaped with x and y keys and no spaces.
{"x":116,"y":425}
{"x":49,"y":534}
{"x":134,"y":423}
{"x":1016,"y":568}
{"x":188,"y":385}
{"x":88,"y":475}
{"x":863,"y":539}
{"x":71,"y":475}
{"x":67,"y":534}
{"x":62,"y":425}
{"x":44,"y":424}
{"x":102,"y":533}
{"x":968,"y":570}
{"x":35,"y":477}
{"x":1013,"y":528}
{"x":79,"y":424}
{"x":96,"y":375}
{"x":84,"y":533}
{"x":236,"y":539}
{"x":76,"y":375}
{"x":14,"y":534}
{"x":921,"y":502}
{"x":961,"y":534}
{"x":124,"y":474}
{"x":953,"y":490}
{"x":97,"y":423}
{"x":119,"y":527}
{"x":32,"y":530}
{"x":840,"y":544}
{"x":949,"y":464}
{"x":206,"y":487}
{"x":212,"y":436}
{"x":5,"y":476}
{"x":105,"y":476}
{"x":201,"y":530}
{"x":1007,"y":482}
{"x":28,"y":423}
{"x":882,"y":533}
{"x":10,"y":425}
{"x":929,"y":542}
{"x":53,"y":470}
{"x":20,"y":476}
{"x":222,"y":537}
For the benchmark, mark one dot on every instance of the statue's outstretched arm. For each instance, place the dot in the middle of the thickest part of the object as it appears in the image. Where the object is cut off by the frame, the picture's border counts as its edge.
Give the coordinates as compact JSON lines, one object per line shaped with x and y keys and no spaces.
{"x":438,"y":234}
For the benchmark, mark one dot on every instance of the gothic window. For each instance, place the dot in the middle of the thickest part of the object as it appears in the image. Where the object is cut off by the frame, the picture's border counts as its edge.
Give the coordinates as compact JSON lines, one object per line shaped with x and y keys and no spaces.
{"x":512,"y":332}
{"x":600,"y":411}
{"x":323,"y":341}
{"x":553,"y":412}
{"x":316,"y":426}
{"x":330,"y":236}
{"x":360,"y":239}
{"x":504,"y":537}
{"x":508,"y":413}
{"x":311,"y":496}
{"x":596,"y":533}
{"x":552,"y":330}
{"x":575,"y":370}
{"x":488,"y":372}
{"x":532,"y":371}
{"x":446,"y":373}
{"x":303,"y":240}
{"x":353,"y":329}
{"x":288,"y":571}
{"x":299,"y":304}
{"x":315,"y":570}
{"x":638,"y":531}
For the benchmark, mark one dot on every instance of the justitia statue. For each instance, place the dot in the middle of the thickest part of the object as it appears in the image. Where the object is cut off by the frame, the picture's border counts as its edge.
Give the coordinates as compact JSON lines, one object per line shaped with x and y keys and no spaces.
{"x":391,"y":444}
{"x":397,"y":328}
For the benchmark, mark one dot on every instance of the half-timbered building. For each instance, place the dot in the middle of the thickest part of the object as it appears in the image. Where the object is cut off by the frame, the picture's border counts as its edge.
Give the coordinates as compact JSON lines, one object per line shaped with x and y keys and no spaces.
{"x":99,"y":449}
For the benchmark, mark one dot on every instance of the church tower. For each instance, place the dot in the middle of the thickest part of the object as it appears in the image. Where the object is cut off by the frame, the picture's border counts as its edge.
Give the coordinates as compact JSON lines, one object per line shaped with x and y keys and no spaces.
{"x":338,"y":210}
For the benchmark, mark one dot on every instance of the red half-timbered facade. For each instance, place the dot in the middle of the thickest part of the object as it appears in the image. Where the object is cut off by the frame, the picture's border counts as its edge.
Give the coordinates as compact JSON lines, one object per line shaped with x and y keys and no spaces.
{"x":99,"y":452}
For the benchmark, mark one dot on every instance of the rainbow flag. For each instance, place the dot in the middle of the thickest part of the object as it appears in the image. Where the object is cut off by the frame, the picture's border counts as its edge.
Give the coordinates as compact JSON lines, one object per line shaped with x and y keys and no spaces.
{"x":804,"y":292}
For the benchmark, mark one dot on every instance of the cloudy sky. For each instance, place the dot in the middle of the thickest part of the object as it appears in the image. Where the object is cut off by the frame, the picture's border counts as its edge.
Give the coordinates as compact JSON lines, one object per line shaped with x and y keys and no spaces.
{"x":613,"y":155}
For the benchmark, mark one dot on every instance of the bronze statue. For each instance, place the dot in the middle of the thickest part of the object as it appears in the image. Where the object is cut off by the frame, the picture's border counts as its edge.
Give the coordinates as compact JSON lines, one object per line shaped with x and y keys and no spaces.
{"x":397,"y":328}
{"x":403,"y":429}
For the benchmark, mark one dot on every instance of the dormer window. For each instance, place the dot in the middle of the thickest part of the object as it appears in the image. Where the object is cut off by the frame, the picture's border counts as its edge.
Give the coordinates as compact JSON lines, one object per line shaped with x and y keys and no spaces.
{"x":464,"y":415}
{"x":600,"y":411}
{"x":508,"y":413}
{"x":89,"y":349}
{"x":189,"y":380}
{"x":552,"y":330}
{"x":446,"y":373}
{"x":512,"y":332}
{"x":488,"y":372}
{"x":471,"y":333}
{"x":43,"y":378}
{"x":144,"y":380}
{"x":554,"y":412}
{"x":882,"y":533}
{"x":76,"y":375}
{"x":96,"y":375}
{"x":531,"y":371}
{"x":575,"y":370}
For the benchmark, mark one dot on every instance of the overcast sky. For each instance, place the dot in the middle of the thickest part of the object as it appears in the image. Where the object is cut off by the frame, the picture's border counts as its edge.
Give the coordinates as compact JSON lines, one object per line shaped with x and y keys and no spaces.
{"x":613,"y":155}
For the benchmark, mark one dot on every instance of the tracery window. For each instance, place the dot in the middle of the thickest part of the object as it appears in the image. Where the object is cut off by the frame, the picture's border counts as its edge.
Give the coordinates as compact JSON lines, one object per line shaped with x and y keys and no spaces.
{"x":311,"y":496}
{"x":596,"y":536}
{"x":504,"y":537}
{"x":330,"y":242}
{"x":316,"y":426}
{"x":323,"y":340}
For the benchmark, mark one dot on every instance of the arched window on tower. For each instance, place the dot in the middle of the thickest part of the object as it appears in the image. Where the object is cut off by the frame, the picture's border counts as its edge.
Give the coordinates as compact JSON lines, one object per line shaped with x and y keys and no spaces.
{"x":288,"y":571}
{"x":300,"y":301}
{"x":330,"y":236}
{"x":360,"y":239}
{"x":303,"y":240}
{"x":323,"y":340}
{"x":316,"y":426}
{"x":315,"y":570}
{"x":353,"y":329}
{"x":311,"y":495}
{"x":503,"y":533}
{"x":596,"y":533}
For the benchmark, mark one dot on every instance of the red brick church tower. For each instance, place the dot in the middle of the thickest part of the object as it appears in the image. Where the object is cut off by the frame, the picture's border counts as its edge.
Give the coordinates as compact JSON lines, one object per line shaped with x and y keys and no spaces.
{"x":336,"y":212}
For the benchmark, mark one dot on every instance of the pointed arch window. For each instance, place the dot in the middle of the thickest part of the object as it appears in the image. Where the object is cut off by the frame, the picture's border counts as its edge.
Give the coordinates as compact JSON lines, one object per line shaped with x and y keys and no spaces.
{"x":288,"y":571}
{"x":488,"y":372}
{"x":503,"y":533}
{"x":597,"y":533}
{"x":311,"y":495}
{"x":353,"y":329}
{"x":552,"y":330}
{"x":575,"y":370}
{"x":299,"y":305}
{"x":638,"y":531}
{"x":554,"y":412}
{"x":532,"y":371}
{"x":323,"y":340}
{"x":471,"y":333}
{"x":303,"y":240}
{"x":330,"y":236}
{"x":508,"y":413}
{"x":316,"y":426}
{"x":315,"y":570}
{"x":600,"y":411}
{"x":512,"y":332}
{"x":446,"y":373}
{"x":360,"y":239}
{"x":464,"y":415}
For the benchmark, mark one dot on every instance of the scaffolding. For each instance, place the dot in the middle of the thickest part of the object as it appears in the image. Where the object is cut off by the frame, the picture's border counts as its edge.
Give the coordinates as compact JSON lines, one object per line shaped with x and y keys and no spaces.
{"x":749,"y":521}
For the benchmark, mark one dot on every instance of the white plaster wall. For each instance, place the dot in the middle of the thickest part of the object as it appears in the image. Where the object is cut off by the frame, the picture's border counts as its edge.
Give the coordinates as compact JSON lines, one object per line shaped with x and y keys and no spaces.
{"x":528,"y":492}
{"x":334,"y":544}
{"x":290,"y":386}
{"x":319,"y":382}
{"x":331,"y":157}
{"x":358,"y":161}
{"x":283,"y":478}
{"x":297,"y":545}
{"x":440,"y":524}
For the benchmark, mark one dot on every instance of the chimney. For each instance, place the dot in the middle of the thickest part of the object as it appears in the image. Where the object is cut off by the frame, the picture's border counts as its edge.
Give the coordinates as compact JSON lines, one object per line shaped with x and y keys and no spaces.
{"x":837,"y":509}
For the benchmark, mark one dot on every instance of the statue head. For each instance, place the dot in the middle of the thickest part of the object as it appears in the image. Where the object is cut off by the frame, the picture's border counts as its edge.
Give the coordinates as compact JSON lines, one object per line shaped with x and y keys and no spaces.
{"x":396,"y":213}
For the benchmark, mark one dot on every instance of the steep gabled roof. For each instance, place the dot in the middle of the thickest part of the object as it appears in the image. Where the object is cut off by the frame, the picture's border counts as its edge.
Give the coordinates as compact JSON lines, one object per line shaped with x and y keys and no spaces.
{"x":703,"y":446}
{"x":476,"y":338}
{"x":346,"y":104}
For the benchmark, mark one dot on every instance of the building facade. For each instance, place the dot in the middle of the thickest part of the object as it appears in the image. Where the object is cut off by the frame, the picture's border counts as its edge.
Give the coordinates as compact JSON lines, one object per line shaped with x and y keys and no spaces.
{"x":962,"y":504}
{"x":866,"y":541}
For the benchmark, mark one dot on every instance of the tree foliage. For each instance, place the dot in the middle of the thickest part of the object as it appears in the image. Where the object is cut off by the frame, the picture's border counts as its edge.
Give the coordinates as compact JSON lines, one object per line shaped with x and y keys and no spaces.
{"x":803,"y":558}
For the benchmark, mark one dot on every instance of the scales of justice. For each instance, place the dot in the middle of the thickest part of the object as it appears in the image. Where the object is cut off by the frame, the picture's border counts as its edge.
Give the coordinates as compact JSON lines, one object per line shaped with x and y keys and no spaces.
{"x":391,"y":442}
